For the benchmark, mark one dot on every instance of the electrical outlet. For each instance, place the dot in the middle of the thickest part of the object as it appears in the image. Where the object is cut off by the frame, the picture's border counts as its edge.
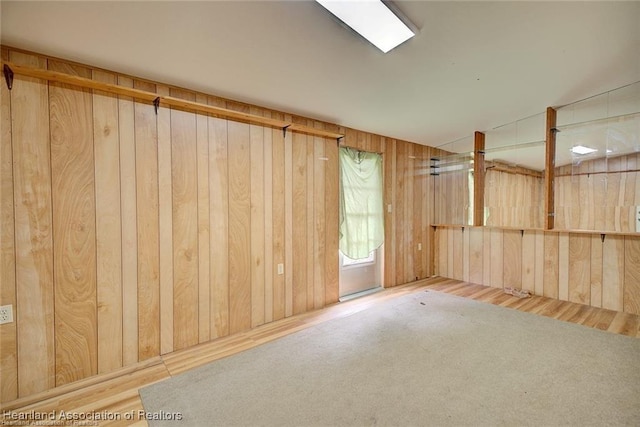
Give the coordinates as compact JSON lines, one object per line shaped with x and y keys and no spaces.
{"x":637,"y":219}
{"x":419,"y":246}
{"x":6,"y":314}
{"x":280,"y":268}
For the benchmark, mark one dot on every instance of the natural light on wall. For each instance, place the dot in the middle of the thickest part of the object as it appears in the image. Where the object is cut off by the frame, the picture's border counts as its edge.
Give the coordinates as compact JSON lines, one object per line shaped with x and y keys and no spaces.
{"x":372,"y":19}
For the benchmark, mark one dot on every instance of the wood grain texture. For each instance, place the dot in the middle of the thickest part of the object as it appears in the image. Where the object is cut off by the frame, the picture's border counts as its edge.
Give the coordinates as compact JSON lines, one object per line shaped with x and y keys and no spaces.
{"x":497,"y":246}
{"x":476,"y":261}
{"x":409,"y":233}
{"x":539,"y":263}
{"x":478,"y":179}
{"x":268,"y":224}
{"x":219,"y":222}
{"x":8,"y":331}
{"x":288,"y":224}
{"x":399,"y":217}
{"x":319,"y":223}
{"x":146,"y":134}
{"x":613,"y":265}
{"x":631,"y":297}
{"x":389,"y":170}
{"x":73,"y":201}
{"x":486,"y":256}
{"x":299,"y":232}
{"x":108,"y":226}
{"x":310,"y":262}
{"x":550,"y":281}
{"x":204,"y":258}
{"x":465,"y":253}
{"x":579,"y":268}
{"x":278,"y":216}
{"x":528,"y":260}
{"x":256,"y":136}
{"x":332,"y":176}
{"x":184,"y":181}
{"x":128,"y":207}
{"x":239,"y":151}
{"x":595,"y":266}
{"x":457,"y":235}
{"x":165,"y":225}
{"x":512,"y":261}
{"x":563,"y":266}
{"x":550,"y":155}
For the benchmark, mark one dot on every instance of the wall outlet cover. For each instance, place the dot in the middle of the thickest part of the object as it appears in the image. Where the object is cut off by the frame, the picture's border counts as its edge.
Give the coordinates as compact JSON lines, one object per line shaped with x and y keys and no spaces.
{"x":6,"y":314}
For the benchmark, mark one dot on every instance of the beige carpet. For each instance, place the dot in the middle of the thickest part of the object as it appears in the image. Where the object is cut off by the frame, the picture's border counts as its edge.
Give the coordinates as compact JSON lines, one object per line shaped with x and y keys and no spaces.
{"x":423,"y":359}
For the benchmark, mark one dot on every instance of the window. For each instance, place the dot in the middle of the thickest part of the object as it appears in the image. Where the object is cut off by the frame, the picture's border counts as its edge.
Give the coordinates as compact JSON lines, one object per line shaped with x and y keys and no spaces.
{"x":346,"y":261}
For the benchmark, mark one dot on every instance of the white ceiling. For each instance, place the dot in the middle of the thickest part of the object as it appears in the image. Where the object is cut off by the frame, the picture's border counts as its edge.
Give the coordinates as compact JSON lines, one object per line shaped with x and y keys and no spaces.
{"x":473,"y":65}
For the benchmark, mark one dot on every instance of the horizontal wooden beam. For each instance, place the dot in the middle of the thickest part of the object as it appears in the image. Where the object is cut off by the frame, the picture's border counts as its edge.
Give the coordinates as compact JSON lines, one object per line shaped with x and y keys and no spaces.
{"x":166,"y":101}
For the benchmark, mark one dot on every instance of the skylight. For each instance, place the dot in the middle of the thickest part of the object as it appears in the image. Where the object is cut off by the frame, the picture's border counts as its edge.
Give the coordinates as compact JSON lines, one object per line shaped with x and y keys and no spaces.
{"x":581,"y":149}
{"x":372,"y":19}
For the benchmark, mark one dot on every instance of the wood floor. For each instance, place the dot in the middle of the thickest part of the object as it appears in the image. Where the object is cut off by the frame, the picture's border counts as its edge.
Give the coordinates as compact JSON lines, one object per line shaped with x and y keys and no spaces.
{"x":116,"y":395}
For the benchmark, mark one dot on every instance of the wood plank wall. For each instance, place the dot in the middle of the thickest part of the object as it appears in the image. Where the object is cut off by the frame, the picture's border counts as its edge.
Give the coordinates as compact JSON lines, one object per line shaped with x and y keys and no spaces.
{"x":452,"y":201}
{"x":513,"y":199}
{"x":576,"y":267}
{"x":600,"y":194}
{"x":126,"y":235}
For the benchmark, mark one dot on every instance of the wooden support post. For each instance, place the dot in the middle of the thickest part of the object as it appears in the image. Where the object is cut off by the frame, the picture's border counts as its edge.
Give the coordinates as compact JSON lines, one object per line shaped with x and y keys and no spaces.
{"x":549,"y":170}
{"x":478,"y":179}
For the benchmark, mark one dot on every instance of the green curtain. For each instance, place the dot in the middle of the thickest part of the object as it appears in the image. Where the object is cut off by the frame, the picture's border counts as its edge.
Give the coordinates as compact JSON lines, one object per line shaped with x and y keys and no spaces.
{"x":361,"y":206}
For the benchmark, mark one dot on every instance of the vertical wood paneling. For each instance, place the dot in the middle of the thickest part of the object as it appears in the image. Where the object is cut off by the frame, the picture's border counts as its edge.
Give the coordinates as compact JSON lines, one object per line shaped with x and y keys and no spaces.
{"x":268,"y":223}
{"x":278,"y":223}
{"x":288,"y":223}
{"x":128,"y":208}
{"x":165,"y":225}
{"x":563,"y":266}
{"x":331,"y":189}
{"x":219,"y":214}
{"x":389,"y":159}
{"x":239,"y":226}
{"x":465,"y":253}
{"x":450,"y":252}
{"x":108,"y":226}
{"x":475,"y":254}
{"x":417,"y":196}
{"x":486,"y":256}
{"x":539,"y":263}
{"x":595,"y":272}
{"x":184,"y":181}
{"x":256,"y":136}
{"x":528,"y":260}
{"x":399,"y":217}
{"x":631,"y":297}
{"x":8,"y":331}
{"x":613,"y":265}
{"x":512,"y":261}
{"x":299,"y":185}
{"x":497,"y":277}
{"x":319,"y":244}
{"x":146,"y":137}
{"x":33,"y":228}
{"x":409,"y":232}
{"x":579,"y":268}
{"x":204,"y":244}
{"x":73,"y":201}
{"x":550,"y":281}
{"x":310,"y":219}
{"x":458,"y":259}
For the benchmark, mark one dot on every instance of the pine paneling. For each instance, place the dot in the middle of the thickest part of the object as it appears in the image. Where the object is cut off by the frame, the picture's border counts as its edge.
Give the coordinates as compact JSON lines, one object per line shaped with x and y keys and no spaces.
{"x":578,"y":267}
{"x":169,"y":225}
{"x":239,"y":224}
{"x":146,"y":140}
{"x":8,"y":331}
{"x":108,"y":226}
{"x":74,"y":220}
{"x":128,"y":207}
